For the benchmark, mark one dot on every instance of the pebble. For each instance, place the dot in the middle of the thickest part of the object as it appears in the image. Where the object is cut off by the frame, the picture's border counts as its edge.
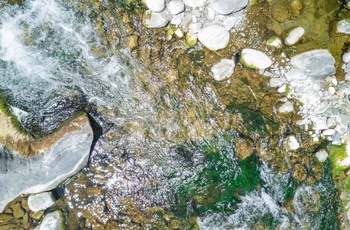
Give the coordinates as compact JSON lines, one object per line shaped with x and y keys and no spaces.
{"x":255,"y":59}
{"x":322,"y":155}
{"x":346,"y":57}
{"x":274,"y":42}
{"x":343,"y":26}
{"x":294,"y":36}
{"x":276,"y":82}
{"x":223,"y":70}
{"x":195,"y":3}
{"x":227,"y":6}
{"x":176,"y":7}
{"x":194,"y":28}
{"x":292,"y":143}
{"x":155,"y":20}
{"x":52,"y":221}
{"x":214,"y":37}
{"x":155,"y":5}
{"x":286,"y":107}
{"x":40,"y":201}
{"x":328,"y":132}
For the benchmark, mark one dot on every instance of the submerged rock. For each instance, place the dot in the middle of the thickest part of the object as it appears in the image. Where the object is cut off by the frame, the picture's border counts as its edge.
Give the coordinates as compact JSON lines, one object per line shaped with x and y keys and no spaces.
{"x":52,"y":221}
{"x":155,"y":5}
{"x":214,"y":37}
{"x":294,"y":36}
{"x":312,"y":65}
{"x":155,"y":20}
{"x":291,"y":143}
{"x":228,"y":6}
{"x":40,"y":201}
{"x":255,"y":59}
{"x":60,"y":158}
{"x":223,"y":70}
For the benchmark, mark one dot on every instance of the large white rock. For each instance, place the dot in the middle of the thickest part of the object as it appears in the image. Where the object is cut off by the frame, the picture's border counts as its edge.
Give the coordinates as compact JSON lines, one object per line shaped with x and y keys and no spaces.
{"x":155,"y":20}
{"x":223,"y":70}
{"x":155,"y":5}
{"x":52,"y":221}
{"x":195,"y":3}
{"x":175,"y":7}
{"x":40,"y":201}
{"x":294,"y":36}
{"x":311,"y":65}
{"x":23,"y":175}
{"x":227,"y":6}
{"x":214,"y":37}
{"x":255,"y":59}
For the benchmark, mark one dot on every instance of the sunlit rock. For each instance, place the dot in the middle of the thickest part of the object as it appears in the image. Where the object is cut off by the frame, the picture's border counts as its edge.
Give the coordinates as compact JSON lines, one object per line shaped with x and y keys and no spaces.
{"x":155,"y":5}
{"x":343,"y":26}
{"x":223,"y":70}
{"x":346,"y":57}
{"x":175,"y":7}
{"x":291,"y":143}
{"x":312,"y":65}
{"x":274,"y":42}
{"x":40,"y":201}
{"x":255,"y":59}
{"x":52,"y":221}
{"x":294,"y":36}
{"x":60,"y":158}
{"x":227,"y":6}
{"x":214,"y":37}
{"x":286,"y":107}
{"x":155,"y":20}
{"x":195,"y":3}
{"x":322,"y":155}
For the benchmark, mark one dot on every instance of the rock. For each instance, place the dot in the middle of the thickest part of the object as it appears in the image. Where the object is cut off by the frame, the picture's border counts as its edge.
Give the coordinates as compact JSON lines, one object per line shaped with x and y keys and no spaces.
{"x":299,"y":172}
{"x":4,"y":218}
{"x":191,"y":39}
{"x":227,"y":6}
{"x":222,"y":70}
{"x":155,"y":20}
{"x":194,"y":28}
{"x":328,"y":132}
{"x":322,"y":155}
{"x":244,"y":148}
{"x":274,"y":42}
{"x":65,"y":157}
{"x":195,"y":3}
{"x":294,"y":36}
{"x":214,"y":37}
{"x":40,"y":201}
{"x":37,"y":215}
{"x":286,"y":107}
{"x":52,"y":221}
{"x":346,"y":57}
{"x":18,"y":211}
{"x":276,"y":82}
{"x":155,"y":5}
{"x":132,"y":41}
{"x":255,"y":59}
{"x":312,"y":65}
{"x":291,"y":143}
{"x":343,"y":26}
{"x":175,"y":7}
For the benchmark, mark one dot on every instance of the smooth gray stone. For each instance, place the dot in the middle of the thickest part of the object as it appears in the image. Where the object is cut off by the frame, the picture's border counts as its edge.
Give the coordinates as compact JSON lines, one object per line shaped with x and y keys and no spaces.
{"x":228,"y":6}
{"x":23,"y":175}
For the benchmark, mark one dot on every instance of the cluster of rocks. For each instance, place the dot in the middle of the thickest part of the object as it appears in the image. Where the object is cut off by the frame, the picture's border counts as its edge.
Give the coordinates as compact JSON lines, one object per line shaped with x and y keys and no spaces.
{"x":208,"y":21}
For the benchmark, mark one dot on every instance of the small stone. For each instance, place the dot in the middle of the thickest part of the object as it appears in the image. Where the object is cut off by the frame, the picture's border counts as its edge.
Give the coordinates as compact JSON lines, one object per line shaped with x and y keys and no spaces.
{"x":244,"y":148}
{"x":228,"y":6}
{"x":195,"y":3}
{"x":210,"y":13}
{"x":37,"y":215}
{"x":322,"y":155}
{"x":331,"y":90}
{"x":40,"y":201}
{"x":299,"y":172}
{"x":294,"y":36}
{"x":343,"y":26}
{"x":191,"y":39}
{"x":18,"y":211}
{"x":274,"y":42}
{"x":176,"y":7}
{"x":52,"y":221}
{"x":282,"y":89}
{"x":255,"y":59}
{"x":286,"y":107}
{"x":132,"y":42}
{"x":346,"y":57}
{"x":155,"y":20}
{"x":4,"y":218}
{"x":276,"y":82}
{"x":214,"y":37}
{"x":292,"y":143}
{"x":328,"y":132}
{"x":223,"y":70}
{"x":155,"y":5}
{"x":194,"y":28}
{"x":179,"y":33}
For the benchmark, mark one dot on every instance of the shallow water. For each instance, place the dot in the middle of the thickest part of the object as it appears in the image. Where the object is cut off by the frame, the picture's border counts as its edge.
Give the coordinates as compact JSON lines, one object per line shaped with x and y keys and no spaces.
{"x":163,"y":157}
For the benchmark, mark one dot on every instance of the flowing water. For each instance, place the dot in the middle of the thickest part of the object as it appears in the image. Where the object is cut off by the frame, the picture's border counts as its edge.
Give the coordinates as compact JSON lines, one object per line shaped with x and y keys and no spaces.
{"x":163,"y":158}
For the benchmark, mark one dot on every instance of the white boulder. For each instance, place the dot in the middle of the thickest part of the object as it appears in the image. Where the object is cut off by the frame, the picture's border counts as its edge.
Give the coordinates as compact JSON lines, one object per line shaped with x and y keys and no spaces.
{"x":227,"y":6}
{"x":155,"y":5}
{"x":255,"y":59}
{"x":155,"y":20}
{"x":176,"y":7}
{"x":294,"y":36}
{"x":195,"y":3}
{"x":40,"y":201}
{"x":214,"y":37}
{"x":223,"y":70}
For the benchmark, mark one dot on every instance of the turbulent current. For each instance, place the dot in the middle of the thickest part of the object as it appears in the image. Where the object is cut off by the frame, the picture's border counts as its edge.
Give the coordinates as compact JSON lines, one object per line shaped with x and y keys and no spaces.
{"x":162,"y":157}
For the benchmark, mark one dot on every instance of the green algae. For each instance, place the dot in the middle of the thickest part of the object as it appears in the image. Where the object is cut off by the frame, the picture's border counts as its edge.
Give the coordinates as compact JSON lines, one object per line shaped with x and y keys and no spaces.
{"x":336,"y":155}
